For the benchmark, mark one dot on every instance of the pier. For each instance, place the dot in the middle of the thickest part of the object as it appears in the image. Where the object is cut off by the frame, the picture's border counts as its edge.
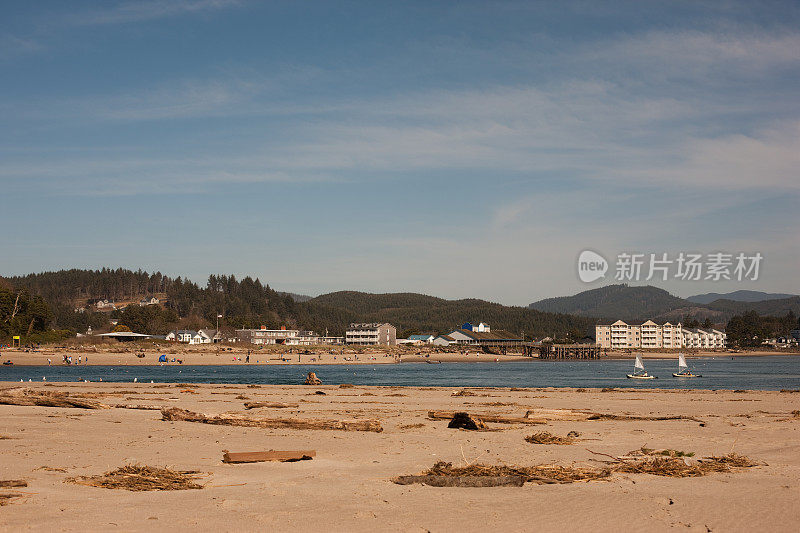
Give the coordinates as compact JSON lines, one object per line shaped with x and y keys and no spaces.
{"x":562,"y":351}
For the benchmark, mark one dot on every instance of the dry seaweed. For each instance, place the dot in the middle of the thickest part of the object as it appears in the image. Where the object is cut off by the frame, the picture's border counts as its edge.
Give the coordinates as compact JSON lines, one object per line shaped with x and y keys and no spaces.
{"x":543,"y":474}
{"x":668,"y":463}
{"x":544,"y":437}
{"x":412,"y":426}
{"x":141,"y":478}
{"x":51,"y":469}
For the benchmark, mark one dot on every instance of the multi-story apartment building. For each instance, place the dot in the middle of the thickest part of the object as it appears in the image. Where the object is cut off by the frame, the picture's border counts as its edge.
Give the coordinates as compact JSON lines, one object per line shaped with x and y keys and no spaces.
{"x":290,"y":337}
{"x":266,"y":336}
{"x":371,"y":334}
{"x":649,"y":335}
{"x":701,"y":338}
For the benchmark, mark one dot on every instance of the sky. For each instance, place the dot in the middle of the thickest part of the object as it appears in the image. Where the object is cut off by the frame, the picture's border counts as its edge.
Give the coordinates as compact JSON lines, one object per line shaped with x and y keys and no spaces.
{"x":458,"y":149}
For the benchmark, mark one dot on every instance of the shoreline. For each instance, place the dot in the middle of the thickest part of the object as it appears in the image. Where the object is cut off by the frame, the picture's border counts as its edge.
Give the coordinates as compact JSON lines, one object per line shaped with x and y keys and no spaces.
{"x":237,"y":358}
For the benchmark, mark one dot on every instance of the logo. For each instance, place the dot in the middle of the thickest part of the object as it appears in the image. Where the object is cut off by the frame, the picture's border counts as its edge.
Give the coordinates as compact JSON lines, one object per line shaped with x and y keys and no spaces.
{"x":591,"y":266}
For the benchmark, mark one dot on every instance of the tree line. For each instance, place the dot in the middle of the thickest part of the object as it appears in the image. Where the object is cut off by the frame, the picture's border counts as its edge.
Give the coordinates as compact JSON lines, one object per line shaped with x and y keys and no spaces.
{"x":751,"y":329}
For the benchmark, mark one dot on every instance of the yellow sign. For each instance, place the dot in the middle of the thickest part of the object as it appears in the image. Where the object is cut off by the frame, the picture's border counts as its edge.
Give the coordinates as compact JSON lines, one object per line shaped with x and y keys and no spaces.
{"x":16,"y":337}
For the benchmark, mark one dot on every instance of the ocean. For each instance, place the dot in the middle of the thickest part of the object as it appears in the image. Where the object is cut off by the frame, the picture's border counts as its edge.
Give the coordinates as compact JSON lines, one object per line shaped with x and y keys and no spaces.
{"x":756,"y":373}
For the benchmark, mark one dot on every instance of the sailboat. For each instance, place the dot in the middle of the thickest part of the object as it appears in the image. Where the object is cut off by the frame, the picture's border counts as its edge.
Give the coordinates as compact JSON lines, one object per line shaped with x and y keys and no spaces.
{"x":638,"y":370}
{"x":683,"y":369}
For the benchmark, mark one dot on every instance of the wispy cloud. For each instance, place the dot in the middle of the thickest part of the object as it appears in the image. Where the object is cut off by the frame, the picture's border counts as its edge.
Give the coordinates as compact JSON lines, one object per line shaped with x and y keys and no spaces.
{"x":12,"y":46}
{"x":141,"y":11}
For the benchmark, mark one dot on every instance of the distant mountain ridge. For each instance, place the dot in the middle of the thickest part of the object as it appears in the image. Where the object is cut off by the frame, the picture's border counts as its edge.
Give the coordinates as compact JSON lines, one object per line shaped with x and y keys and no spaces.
{"x":424,"y":313}
{"x":624,"y":302}
{"x":738,"y":296}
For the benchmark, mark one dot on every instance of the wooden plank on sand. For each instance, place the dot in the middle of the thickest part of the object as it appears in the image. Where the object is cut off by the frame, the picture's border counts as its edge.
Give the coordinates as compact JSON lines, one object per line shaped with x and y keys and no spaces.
{"x":271,"y":455}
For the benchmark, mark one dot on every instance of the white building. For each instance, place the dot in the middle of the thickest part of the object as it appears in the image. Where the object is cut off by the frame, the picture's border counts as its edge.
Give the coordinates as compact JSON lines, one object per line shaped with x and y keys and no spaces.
{"x":648,"y":335}
{"x":371,"y":334}
{"x":289,"y":337}
{"x":267,"y":336}
{"x":701,"y":338}
{"x":188,"y":336}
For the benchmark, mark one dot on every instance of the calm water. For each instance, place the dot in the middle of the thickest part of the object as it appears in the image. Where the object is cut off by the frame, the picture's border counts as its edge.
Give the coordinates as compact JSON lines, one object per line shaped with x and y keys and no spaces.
{"x":763,"y":373}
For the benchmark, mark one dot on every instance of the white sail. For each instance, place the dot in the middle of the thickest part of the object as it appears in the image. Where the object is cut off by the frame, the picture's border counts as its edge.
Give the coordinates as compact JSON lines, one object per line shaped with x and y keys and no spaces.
{"x":682,"y":362}
{"x":639,"y":365}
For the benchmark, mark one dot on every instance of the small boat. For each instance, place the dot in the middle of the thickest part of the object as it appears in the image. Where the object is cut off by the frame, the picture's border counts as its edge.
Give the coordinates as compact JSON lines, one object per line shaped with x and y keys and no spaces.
{"x":638,"y":370}
{"x":683,"y":369}
{"x":433,"y":362}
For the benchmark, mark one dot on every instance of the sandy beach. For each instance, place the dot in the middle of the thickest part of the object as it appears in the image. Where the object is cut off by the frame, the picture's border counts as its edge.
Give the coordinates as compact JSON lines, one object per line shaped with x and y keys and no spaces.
{"x":348,"y":484}
{"x":129,"y":354}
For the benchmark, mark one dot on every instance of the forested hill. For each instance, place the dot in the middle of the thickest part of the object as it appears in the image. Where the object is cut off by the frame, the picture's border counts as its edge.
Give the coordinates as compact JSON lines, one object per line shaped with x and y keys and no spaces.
{"x":413,"y":312}
{"x":640,"y":303}
{"x":615,"y":301}
{"x":250,"y":303}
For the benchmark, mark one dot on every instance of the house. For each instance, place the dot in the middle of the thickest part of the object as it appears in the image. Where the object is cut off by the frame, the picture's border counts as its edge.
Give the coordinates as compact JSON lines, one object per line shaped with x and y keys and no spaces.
{"x":105,"y":304}
{"x":443,"y":340}
{"x":486,"y":339}
{"x":152,"y":300}
{"x":210,"y":336}
{"x":424,"y":338}
{"x":371,"y":334}
{"x":480,"y":328}
{"x":187,"y":336}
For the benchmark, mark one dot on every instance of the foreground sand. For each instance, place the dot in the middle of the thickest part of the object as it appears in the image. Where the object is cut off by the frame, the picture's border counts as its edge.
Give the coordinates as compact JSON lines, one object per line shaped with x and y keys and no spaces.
{"x":347,"y":486}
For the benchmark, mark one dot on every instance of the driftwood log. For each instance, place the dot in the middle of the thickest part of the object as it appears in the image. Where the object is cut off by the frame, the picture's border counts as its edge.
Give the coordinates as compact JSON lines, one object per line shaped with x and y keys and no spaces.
{"x":137,"y":406}
{"x":603,"y":416}
{"x":19,"y":396}
{"x":462,"y":481}
{"x":8,"y":483}
{"x":177,"y":414}
{"x":312,"y":379}
{"x":448,"y":415}
{"x":271,"y":405}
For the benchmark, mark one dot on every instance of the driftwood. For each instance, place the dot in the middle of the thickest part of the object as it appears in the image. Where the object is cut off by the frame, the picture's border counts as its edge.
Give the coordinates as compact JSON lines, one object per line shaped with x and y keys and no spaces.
{"x":271,"y":405}
{"x":448,"y":415}
{"x":312,"y":379}
{"x":462,"y":481}
{"x":6,"y":497}
{"x":18,"y":396}
{"x":8,"y":483}
{"x":557,"y":414}
{"x":177,"y":414}
{"x":272,"y":455}
{"x":602,"y":416}
{"x":137,"y":406}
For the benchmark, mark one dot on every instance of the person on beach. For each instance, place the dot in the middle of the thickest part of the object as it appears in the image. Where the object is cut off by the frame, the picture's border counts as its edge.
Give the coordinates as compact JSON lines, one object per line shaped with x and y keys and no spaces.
{"x":49,"y":362}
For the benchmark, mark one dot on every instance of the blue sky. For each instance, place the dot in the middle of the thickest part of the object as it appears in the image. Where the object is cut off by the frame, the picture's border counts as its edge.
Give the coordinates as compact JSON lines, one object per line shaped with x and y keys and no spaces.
{"x":460,"y":149}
